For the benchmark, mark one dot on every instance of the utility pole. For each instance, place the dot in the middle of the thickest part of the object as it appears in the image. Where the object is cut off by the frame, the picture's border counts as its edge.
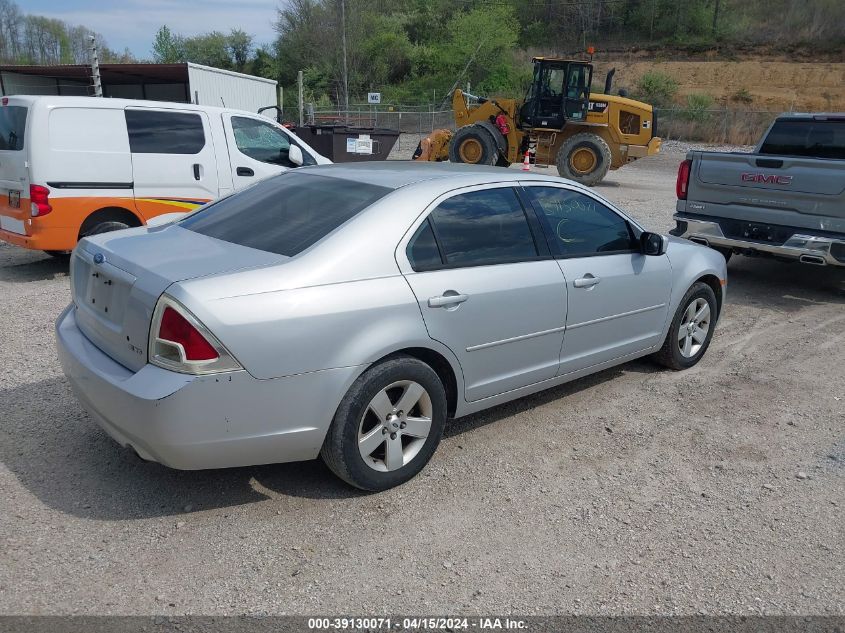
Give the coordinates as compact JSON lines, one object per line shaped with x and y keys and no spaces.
{"x":95,"y":68}
{"x":345,"y":69}
{"x":299,"y":83}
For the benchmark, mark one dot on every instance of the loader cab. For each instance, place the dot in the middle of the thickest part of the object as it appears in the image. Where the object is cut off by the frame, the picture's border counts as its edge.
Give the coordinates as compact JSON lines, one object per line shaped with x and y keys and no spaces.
{"x":559,"y":92}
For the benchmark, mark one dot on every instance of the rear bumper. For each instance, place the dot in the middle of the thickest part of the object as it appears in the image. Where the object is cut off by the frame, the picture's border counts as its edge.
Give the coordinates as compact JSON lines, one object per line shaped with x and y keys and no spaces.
{"x":641,"y":151}
{"x":45,"y":239}
{"x":810,"y":249}
{"x":197,"y":422}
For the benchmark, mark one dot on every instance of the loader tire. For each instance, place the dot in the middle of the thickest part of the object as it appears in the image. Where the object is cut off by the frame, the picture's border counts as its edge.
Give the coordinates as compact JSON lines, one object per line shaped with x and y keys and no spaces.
{"x":473,"y":144}
{"x":584,"y":158}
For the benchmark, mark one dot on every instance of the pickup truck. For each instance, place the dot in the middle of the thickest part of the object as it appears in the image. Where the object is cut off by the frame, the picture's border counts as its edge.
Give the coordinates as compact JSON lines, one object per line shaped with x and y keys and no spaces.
{"x":786,"y":199}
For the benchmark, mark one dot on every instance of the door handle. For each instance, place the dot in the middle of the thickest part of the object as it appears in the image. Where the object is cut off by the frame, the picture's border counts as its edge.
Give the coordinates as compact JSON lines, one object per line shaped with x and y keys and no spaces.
{"x":244,"y":171}
{"x":196,"y":171}
{"x":587,"y":281}
{"x":446,"y":300}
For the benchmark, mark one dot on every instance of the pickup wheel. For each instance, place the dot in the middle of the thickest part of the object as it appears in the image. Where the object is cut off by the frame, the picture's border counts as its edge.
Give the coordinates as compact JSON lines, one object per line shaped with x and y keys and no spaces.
{"x":691,"y":330}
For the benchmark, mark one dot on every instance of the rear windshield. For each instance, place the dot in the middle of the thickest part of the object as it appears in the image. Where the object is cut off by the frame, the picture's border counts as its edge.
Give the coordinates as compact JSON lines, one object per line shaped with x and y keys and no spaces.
{"x":284,"y":214}
{"x":12,"y":126}
{"x":813,"y":139}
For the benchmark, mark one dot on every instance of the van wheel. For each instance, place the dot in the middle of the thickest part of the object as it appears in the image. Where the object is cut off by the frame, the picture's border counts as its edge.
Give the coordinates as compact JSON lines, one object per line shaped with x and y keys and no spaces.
{"x":388,"y":425}
{"x":105,"y":227}
{"x":58,"y":254}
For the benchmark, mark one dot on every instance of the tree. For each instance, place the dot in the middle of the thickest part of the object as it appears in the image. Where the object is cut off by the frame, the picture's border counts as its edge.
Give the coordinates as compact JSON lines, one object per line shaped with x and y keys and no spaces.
{"x":167,"y":47}
{"x":240,"y":47}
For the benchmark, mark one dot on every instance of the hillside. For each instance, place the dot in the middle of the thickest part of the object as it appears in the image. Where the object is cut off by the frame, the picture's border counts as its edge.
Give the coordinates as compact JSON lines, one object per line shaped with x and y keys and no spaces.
{"x":746,"y":84}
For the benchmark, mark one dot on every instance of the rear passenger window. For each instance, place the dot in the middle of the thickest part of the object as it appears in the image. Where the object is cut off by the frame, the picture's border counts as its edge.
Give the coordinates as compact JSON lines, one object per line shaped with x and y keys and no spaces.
{"x":152,"y":132}
{"x":578,"y":225}
{"x":422,"y":249}
{"x":483,"y":227}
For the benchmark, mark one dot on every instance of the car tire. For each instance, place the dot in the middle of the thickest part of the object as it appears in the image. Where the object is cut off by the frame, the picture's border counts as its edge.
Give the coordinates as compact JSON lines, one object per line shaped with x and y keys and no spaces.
{"x":584,"y":158}
{"x":682,"y":348}
{"x":361,"y":450}
{"x":474,"y":145}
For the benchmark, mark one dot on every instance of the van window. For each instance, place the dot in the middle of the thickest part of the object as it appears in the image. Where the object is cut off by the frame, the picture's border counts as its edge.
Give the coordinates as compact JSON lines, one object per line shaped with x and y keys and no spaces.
{"x":153,"y":132}
{"x":265,"y":142}
{"x":284,"y":214}
{"x":12,"y":127}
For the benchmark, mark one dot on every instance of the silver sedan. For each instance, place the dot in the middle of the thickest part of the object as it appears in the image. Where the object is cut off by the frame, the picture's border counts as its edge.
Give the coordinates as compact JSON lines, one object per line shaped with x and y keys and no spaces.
{"x":349,"y":311}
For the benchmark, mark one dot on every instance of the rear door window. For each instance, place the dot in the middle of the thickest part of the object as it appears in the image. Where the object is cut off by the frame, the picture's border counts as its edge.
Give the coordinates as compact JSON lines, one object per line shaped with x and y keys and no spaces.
{"x":157,"y":132}
{"x":284,"y":214}
{"x":811,"y":139}
{"x":483,"y":227}
{"x":12,"y":127}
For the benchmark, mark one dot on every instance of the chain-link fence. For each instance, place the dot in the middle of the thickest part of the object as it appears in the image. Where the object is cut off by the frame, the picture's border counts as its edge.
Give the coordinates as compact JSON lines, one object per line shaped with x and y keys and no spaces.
{"x":724,"y":126}
{"x":733,"y":127}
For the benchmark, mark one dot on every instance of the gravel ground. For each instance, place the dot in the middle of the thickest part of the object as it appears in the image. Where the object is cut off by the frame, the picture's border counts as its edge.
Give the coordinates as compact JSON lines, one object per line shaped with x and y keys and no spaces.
{"x":717,"y":490}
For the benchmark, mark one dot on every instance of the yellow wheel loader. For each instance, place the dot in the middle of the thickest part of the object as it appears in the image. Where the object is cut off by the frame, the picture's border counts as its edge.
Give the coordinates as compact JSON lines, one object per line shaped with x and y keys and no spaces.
{"x":560,"y":122}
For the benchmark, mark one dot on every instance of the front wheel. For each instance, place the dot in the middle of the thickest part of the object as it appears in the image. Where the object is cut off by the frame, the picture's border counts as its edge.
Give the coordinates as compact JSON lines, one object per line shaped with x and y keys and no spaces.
{"x":691,"y":330}
{"x":584,"y":158}
{"x":388,"y":425}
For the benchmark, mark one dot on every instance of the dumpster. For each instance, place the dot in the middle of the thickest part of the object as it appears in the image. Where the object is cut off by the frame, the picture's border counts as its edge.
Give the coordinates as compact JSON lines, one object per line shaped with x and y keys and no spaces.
{"x":345,"y":144}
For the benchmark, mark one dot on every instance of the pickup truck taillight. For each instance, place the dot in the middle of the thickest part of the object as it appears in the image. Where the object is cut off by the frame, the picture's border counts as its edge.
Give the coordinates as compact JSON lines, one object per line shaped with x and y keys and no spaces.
{"x":39,"y":198}
{"x":179,"y":342}
{"x":682,"y":184}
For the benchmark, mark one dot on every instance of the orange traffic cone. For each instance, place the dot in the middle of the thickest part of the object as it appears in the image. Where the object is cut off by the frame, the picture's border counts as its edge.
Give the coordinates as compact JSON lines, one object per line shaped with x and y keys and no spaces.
{"x":526,"y":163}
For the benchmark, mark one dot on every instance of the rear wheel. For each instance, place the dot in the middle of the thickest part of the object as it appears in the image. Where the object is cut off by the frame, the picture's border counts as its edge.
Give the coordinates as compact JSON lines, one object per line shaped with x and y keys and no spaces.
{"x":584,"y":158}
{"x":388,"y":425}
{"x":473,"y":145}
{"x":691,"y":330}
{"x":58,"y":254}
{"x":105,"y":227}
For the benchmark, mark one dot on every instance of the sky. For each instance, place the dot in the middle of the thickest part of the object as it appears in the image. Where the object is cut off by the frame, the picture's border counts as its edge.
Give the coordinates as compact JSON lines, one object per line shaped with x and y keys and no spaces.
{"x":133,"y":23}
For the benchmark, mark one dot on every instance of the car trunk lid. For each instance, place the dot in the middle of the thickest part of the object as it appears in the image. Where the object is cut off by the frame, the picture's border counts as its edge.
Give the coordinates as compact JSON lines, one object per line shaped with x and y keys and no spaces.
{"x":117,"y":279}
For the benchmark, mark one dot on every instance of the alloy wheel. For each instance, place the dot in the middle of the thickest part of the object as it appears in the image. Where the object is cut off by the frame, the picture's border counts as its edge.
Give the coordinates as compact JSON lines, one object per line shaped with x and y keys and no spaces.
{"x":395,"y":426}
{"x":695,"y":324}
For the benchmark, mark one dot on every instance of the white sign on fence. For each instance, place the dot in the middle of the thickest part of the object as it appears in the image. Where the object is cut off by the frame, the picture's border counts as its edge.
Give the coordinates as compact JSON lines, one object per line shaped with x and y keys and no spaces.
{"x":373,"y":97}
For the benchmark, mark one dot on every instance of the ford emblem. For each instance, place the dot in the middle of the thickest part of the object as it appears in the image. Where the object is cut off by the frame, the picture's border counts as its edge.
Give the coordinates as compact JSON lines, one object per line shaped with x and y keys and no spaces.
{"x":99,"y":258}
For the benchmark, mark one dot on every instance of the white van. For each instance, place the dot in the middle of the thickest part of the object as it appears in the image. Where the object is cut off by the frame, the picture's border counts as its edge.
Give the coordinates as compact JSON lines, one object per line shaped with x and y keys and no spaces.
{"x":76,"y":166}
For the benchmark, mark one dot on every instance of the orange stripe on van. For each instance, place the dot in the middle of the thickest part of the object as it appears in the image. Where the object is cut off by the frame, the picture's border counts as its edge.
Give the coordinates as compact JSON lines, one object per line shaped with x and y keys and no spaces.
{"x":59,"y":229}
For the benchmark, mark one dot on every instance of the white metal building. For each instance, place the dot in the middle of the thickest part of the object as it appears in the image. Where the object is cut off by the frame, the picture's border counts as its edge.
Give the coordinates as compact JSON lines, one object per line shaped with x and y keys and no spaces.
{"x":181,"y":83}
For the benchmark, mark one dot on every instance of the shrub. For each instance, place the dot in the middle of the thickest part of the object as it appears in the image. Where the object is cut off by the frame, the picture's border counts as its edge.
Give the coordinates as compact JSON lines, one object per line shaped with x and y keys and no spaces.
{"x":742,"y":96}
{"x":657,"y":88}
{"x":697,"y":107}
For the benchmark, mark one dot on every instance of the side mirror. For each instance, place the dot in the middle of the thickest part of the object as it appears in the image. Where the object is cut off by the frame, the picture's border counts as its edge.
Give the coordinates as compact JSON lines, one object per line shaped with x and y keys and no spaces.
{"x":653,"y":243}
{"x":295,"y":156}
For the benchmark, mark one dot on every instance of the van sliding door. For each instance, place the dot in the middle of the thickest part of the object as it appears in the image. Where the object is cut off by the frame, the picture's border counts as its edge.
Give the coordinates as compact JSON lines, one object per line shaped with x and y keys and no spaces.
{"x":174,"y":164}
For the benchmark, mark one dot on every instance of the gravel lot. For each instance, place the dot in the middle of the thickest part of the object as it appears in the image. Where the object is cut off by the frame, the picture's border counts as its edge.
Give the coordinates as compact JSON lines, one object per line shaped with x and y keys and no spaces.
{"x":717,"y":490}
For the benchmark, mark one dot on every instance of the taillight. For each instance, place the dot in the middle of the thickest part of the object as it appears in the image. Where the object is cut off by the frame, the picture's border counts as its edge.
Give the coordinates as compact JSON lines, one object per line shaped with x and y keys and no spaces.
{"x":179,"y":342}
{"x":176,"y":330}
{"x":682,"y":184}
{"x":39,"y":198}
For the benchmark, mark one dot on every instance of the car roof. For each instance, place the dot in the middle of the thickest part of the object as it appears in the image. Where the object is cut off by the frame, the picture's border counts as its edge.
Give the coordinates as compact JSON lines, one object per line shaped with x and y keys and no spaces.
{"x":401,"y":173}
